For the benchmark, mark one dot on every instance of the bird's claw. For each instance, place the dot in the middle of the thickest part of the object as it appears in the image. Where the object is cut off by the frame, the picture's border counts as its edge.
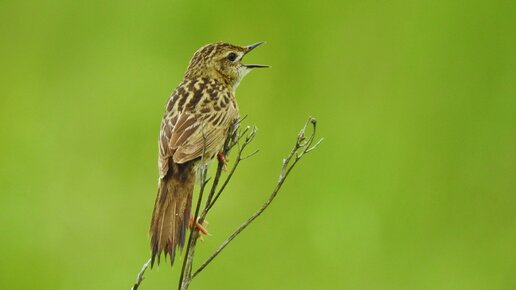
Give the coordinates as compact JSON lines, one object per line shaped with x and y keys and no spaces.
{"x":223,"y":159}
{"x":200,"y":227}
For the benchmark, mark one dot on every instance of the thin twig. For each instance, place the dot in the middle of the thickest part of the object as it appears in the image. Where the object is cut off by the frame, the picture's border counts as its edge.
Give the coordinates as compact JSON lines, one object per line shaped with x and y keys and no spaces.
{"x":140,"y":278}
{"x":235,"y":135}
{"x":301,"y":143}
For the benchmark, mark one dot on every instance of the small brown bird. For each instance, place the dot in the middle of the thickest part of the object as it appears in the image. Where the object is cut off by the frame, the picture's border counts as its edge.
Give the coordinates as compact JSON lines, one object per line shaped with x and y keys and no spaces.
{"x":196,"y":121}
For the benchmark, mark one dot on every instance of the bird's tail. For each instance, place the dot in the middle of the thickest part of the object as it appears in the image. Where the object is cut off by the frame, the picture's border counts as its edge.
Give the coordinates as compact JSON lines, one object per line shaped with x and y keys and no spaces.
{"x":172,"y":211}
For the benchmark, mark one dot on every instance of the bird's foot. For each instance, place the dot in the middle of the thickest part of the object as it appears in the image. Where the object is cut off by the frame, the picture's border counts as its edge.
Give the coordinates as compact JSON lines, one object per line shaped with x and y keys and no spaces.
{"x":223,"y":159}
{"x":198,"y":226}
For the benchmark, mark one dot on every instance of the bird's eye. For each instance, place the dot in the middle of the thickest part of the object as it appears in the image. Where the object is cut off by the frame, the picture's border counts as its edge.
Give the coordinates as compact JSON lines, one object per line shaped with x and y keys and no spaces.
{"x":232,"y":56}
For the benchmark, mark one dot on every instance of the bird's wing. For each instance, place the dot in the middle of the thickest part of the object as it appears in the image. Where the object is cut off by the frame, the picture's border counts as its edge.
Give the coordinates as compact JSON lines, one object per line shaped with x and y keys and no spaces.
{"x":187,"y":135}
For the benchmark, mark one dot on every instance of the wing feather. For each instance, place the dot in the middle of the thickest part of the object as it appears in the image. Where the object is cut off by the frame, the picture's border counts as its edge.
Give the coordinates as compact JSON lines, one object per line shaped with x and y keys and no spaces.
{"x":185,"y":136}
{"x":205,"y":136}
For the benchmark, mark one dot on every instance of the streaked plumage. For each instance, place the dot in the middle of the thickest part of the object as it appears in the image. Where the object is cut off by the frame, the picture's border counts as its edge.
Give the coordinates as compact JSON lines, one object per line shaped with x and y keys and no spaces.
{"x":197,"y":117}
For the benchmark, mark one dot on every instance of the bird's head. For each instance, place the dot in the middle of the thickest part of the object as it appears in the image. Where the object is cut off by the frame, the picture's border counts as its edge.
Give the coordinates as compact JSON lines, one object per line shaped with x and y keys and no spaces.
{"x":222,"y":62}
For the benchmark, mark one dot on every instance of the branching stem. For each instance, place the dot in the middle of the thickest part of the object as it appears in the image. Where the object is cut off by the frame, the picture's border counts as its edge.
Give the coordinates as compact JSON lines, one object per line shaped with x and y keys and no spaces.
{"x":304,"y":144}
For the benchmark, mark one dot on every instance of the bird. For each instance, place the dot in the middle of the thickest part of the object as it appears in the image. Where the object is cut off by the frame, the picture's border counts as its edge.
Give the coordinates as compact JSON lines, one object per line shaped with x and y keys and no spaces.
{"x":197,"y":117}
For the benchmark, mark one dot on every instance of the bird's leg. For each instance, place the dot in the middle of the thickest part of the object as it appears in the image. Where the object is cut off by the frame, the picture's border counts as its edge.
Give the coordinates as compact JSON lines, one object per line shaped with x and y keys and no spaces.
{"x":198,"y":226}
{"x":223,"y":159}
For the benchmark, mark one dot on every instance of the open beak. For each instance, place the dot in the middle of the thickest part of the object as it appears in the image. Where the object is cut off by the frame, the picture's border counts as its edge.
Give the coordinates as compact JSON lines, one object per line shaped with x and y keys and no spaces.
{"x":248,"y":49}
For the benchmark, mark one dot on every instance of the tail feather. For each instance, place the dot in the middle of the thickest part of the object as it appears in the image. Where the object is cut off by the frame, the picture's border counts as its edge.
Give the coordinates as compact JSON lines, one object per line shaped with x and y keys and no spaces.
{"x":172,"y":211}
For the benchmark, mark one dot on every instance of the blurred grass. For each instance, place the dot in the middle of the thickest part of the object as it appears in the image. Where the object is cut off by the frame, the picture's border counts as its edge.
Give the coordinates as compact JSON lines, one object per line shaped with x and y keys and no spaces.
{"x":413,"y":188}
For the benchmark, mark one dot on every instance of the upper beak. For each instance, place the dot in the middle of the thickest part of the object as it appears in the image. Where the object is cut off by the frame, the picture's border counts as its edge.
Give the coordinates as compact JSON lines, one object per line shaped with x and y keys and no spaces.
{"x":251,"y":47}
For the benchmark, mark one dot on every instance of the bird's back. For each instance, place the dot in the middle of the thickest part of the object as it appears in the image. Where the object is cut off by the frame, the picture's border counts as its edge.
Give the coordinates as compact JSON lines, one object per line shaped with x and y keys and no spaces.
{"x":196,"y":121}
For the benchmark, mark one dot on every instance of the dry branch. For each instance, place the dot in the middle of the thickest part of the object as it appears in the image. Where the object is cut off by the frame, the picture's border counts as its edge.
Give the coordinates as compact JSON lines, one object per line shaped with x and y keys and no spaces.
{"x":304,"y":144}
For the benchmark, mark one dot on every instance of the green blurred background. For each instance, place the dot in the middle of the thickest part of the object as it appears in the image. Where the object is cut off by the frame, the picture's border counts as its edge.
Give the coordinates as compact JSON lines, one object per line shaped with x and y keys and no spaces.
{"x":414,"y":186}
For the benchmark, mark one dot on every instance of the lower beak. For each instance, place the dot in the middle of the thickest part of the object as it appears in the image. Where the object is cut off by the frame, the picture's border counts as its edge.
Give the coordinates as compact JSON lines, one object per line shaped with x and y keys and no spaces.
{"x":248,"y":49}
{"x":256,"y":66}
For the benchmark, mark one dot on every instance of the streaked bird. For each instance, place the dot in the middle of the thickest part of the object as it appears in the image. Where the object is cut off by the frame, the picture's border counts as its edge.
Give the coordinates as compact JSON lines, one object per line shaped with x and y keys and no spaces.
{"x":197,"y":118}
